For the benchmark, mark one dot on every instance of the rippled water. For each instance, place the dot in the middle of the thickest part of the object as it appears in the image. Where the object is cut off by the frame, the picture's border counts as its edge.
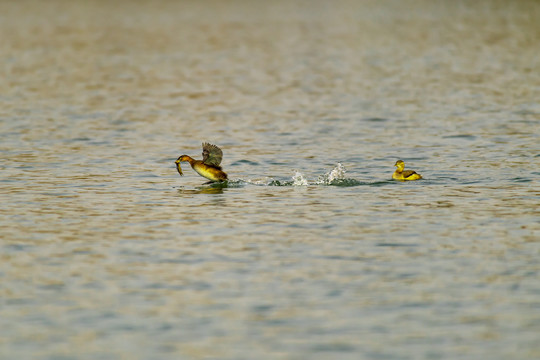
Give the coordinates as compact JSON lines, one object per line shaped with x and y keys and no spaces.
{"x":311,"y":250}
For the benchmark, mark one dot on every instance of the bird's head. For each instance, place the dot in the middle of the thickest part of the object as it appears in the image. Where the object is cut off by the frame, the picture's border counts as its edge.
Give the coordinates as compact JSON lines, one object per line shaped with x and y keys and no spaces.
{"x":182,"y":158}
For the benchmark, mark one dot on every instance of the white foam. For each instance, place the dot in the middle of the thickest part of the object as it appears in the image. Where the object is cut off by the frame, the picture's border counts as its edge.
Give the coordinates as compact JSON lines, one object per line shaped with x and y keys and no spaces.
{"x":337,"y":173}
{"x":299,"y":179}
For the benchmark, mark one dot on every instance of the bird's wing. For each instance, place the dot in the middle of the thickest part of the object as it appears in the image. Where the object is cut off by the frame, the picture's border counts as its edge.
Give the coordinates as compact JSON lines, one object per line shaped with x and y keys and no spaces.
{"x":211,"y":154}
{"x":408,"y":173}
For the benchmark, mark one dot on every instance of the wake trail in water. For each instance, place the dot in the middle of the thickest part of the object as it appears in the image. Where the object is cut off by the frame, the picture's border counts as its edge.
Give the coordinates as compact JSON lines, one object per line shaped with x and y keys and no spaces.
{"x":335,"y":177}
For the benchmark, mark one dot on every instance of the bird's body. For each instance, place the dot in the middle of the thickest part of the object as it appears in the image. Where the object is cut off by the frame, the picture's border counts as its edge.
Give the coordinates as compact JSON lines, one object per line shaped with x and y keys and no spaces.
{"x":208,"y":167}
{"x":404,"y":175}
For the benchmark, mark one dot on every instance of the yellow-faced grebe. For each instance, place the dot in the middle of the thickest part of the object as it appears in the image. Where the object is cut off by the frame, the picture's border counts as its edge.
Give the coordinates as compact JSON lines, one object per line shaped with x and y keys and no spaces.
{"x":404,"y":175}
{"x":208,"y":167}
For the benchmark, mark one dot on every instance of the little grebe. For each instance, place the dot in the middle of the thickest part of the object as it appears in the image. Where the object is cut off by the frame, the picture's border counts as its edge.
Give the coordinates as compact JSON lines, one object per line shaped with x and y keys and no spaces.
{"x":402,"y":175}
{"x":208,"y":167}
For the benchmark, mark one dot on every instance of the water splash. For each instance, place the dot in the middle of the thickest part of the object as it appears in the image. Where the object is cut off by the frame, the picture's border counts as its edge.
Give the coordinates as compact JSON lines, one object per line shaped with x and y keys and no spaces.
{"x":299,"y":179}
{"x":335,"y":176}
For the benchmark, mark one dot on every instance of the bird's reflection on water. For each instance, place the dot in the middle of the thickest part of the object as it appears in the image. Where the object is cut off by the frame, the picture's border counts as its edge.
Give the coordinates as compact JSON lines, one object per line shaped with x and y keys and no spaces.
{"x":202,"y":190}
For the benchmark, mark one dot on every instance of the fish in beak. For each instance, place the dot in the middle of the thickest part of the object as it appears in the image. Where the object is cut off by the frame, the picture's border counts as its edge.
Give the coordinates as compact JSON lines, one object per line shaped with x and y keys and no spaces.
{"x":177,"y":162}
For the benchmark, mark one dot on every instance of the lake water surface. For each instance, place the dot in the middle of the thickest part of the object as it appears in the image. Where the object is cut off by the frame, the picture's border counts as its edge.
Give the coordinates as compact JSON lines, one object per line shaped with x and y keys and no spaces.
{"x":310,"y":251}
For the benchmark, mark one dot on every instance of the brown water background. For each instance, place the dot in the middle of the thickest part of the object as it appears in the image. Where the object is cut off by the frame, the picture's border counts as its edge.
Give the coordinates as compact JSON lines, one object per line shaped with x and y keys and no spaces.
{"x":310,"y":251}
